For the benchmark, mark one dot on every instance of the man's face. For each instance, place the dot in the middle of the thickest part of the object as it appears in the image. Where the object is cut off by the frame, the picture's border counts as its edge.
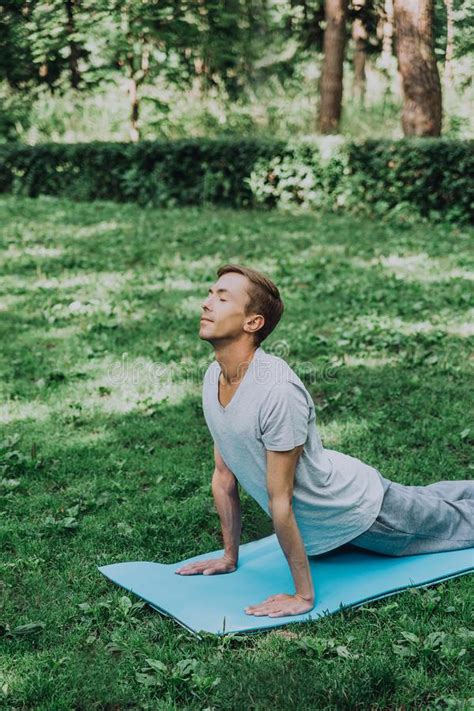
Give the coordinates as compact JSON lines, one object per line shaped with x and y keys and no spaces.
{"x":223,"y":311}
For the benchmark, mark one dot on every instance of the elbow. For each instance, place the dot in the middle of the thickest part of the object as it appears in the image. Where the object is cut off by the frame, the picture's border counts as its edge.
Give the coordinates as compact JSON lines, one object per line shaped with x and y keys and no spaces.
{"x":224,"y":483}
{"x":280,"y":507}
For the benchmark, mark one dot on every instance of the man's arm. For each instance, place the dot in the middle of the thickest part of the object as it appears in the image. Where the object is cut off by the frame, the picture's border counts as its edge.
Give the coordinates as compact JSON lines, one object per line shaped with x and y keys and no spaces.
{"x":227,"y":501}
{"x":281,"y":468}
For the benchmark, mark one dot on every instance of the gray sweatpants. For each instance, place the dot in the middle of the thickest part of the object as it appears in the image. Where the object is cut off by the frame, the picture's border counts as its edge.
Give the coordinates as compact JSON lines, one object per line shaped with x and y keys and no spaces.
{"x":422,"y":519}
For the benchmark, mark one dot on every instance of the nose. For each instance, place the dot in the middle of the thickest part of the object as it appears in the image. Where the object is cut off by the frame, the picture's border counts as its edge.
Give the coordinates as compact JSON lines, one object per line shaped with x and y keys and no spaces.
{"x":204,"y":304}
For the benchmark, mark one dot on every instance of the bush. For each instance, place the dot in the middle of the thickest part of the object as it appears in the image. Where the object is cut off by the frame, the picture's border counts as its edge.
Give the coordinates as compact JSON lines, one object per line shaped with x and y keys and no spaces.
{"x":150,"y":173}
{"x":428,"y":176}
{"x":308,"y":173}
{"x":434,"y":175}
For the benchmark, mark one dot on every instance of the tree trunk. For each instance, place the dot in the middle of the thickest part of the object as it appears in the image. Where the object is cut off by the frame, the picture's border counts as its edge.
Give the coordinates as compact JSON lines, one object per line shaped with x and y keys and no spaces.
{"x":335,"y":12}
{"x":387,"y":34}
{"x":448,"y":60}
{"x":198,"y":89}
{"x":73,"y":46}
{"x":136,"y":79}
{"x":134,"y":111}
{"x":422,"y":110}
{"x":359,"y":36}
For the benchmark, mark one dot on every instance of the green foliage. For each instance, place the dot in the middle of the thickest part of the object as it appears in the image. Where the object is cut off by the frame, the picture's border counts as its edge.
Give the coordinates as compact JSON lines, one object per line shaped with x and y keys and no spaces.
{"x":306,"y":174}
{"x":463,"y":16}
{"x":14,"y":113}
{"x":425,"y":176}
{"x":80,"y":43}
{"x":151,"y":173}
{"x":432,"y":174}
{"x":183,"y":68}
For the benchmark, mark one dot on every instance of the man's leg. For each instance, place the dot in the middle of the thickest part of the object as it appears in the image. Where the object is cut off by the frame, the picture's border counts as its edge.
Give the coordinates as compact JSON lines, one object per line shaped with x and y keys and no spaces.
{"x":450,"y":490}
{"x":416,"y":519}
{"x":447,"y":490}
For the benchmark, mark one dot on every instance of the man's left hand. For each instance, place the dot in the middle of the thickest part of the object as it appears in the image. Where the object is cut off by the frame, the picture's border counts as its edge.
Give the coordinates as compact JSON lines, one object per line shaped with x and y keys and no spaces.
{"x":280,"y":606}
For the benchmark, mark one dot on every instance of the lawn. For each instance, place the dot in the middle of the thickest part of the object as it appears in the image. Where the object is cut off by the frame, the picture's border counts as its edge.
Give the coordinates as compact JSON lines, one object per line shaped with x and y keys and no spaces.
{"x":105,"y":455}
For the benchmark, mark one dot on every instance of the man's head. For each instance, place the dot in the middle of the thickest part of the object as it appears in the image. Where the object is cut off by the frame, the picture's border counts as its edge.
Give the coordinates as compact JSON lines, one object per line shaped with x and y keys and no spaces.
{"x":243,"y":303}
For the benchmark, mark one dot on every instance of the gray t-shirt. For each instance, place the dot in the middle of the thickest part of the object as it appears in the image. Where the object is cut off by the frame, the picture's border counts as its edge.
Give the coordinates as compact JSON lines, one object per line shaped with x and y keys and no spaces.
{"x":336,"y":497}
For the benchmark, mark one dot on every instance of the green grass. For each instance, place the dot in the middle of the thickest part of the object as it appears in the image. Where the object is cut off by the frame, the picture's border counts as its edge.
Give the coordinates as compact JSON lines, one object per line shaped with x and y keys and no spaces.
{"x":105,"y":455}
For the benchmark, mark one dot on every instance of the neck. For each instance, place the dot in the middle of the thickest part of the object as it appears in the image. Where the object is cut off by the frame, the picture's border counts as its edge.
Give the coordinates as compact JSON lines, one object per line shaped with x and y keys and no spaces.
{"x":234,"y":359}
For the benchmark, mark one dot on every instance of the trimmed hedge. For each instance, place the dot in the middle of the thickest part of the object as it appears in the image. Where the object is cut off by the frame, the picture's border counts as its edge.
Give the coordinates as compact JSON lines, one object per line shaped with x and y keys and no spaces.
{"x":185,"y":172}
{"x":435,"y":175}
{"x":430,"y":176}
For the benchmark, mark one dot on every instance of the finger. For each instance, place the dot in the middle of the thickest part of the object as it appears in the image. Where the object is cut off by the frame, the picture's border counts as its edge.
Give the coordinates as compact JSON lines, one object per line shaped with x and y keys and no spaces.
{"x":264,"y":602}
{"x":287,"y":613}
{"x":258,"y":605}
{"x":197,"y":565}
{"x":272,"y":610}
{"x":259,"y":610}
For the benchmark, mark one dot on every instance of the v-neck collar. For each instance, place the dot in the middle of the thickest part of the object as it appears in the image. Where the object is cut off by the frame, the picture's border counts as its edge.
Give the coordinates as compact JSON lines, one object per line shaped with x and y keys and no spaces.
{"x":239,"y":387}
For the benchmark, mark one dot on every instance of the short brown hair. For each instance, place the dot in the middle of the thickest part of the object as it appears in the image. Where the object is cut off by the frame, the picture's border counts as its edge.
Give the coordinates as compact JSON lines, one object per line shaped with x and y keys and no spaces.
{"x":264,"y":298}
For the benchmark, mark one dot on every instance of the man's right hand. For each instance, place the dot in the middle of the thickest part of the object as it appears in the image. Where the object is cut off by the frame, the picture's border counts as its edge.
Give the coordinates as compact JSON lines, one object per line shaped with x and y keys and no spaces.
{"x":214,"y":566}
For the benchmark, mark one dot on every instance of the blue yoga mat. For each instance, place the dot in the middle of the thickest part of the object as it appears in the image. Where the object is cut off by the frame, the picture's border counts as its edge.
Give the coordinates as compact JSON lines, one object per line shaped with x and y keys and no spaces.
{"x":345,"y":577}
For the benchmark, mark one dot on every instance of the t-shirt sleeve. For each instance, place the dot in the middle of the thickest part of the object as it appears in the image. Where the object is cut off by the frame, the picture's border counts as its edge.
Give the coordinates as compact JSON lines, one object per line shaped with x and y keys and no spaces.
{"x":284,"y":417}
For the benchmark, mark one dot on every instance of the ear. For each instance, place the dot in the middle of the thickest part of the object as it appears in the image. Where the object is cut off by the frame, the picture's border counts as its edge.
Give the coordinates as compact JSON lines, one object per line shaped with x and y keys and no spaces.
{"x":256,"y":322}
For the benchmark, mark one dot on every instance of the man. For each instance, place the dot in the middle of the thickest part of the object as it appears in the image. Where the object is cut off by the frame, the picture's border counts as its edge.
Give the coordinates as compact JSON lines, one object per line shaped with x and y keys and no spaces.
{"x":263,"y":423}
